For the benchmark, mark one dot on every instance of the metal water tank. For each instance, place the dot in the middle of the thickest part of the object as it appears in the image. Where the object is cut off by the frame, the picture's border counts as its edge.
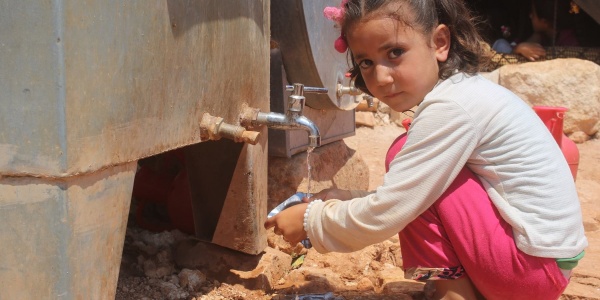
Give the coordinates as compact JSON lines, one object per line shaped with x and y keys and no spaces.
{"x":306,"y":39}
{"x":303,"y":52}
{"x":89,"y":88}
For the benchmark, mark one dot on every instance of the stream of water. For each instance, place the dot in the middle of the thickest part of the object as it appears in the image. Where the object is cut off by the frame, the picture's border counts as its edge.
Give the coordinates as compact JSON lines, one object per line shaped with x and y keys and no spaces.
{"x":308,"y":166}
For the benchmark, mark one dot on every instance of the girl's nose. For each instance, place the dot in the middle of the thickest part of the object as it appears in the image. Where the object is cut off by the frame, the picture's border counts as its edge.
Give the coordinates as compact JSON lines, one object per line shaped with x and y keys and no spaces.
{"x":383,"y":75}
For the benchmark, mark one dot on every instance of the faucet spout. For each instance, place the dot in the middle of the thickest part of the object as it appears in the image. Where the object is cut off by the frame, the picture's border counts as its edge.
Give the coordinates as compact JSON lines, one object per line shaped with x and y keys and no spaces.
{"x":290,"y":122}
{"x":292,"y":118}
{"x":314,"y":137}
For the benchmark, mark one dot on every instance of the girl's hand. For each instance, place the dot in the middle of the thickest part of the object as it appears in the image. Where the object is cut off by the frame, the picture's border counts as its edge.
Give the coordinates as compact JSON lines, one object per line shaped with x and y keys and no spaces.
{"x":289,"y":223}
{"x":331,"y":193}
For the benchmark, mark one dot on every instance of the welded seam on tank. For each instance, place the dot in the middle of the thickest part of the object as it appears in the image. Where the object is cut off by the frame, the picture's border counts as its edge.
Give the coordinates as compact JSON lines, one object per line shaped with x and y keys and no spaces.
{"x":62,"y":284}
{"x":65,"y":175}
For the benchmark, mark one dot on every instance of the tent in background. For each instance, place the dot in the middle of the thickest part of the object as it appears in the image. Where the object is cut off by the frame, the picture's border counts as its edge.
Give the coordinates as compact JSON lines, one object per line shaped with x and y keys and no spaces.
{"x":591,"y":7}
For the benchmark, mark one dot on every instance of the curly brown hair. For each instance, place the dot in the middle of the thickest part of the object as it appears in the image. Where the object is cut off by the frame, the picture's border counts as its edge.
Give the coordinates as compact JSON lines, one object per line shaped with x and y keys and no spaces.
{"x":467,"y":48}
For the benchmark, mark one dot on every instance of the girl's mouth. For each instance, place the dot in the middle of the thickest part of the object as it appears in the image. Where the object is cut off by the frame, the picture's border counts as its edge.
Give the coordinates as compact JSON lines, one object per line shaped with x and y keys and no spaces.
{"x":393,"y":95}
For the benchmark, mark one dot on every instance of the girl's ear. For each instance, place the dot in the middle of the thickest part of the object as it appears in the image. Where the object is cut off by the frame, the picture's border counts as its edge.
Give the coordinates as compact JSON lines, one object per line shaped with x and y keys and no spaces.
{"x":441,"y":41}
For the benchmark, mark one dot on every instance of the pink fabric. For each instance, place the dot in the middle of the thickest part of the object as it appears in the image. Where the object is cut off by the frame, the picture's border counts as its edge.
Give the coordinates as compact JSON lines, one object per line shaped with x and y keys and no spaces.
{"x":463,"y":228}
{"x":394,"y":149}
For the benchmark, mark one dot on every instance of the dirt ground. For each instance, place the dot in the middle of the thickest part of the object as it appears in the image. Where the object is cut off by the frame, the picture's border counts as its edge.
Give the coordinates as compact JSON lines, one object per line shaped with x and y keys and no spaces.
{"x":155,"y":266}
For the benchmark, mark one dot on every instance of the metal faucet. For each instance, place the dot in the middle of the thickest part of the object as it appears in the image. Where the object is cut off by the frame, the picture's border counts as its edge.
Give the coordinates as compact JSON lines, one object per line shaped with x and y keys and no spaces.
{"x":292,"y":118}
{"x":351,"y":89}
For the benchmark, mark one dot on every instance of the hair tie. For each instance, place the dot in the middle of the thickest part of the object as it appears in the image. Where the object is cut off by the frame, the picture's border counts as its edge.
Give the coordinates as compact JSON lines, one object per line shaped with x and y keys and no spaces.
{"x":336,"y":14}
{"x":340,"y":45}
{"x":333,"y":13}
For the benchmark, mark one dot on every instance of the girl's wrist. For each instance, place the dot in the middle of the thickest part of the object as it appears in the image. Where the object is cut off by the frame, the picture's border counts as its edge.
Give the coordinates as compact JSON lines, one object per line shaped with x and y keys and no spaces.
{"x":306,"y":212}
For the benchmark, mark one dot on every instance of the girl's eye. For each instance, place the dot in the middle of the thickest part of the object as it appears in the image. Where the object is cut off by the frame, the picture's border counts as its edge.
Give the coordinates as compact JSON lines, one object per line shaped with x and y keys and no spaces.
{"x":395,"y":53}
{"x":364,"y":64}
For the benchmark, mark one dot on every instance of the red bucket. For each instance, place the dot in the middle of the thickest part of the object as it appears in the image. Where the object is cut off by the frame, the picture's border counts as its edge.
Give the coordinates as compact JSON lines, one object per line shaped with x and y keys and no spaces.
{"x":553,"y":117}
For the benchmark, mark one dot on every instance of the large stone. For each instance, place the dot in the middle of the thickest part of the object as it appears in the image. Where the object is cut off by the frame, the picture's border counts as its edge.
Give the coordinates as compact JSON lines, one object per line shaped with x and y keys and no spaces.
{"x":363,"y":105}
{"x":272,"y":266}
{"x":365,"y":118}
{"x":234,"y":267}
{"x":571,"y":83}
{"x":393,"y":282}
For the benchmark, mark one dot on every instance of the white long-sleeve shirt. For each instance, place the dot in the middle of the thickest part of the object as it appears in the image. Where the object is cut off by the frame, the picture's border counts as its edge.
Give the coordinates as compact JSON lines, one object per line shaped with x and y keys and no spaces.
{"x":466,"y":120}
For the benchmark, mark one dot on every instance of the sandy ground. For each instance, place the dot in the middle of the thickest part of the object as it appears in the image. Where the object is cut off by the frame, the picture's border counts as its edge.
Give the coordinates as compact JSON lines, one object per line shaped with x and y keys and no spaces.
{"x":150,"y":269}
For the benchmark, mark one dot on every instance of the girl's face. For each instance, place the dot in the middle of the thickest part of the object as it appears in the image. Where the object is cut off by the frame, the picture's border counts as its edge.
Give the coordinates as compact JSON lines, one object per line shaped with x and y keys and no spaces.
{"x":398,"y":63}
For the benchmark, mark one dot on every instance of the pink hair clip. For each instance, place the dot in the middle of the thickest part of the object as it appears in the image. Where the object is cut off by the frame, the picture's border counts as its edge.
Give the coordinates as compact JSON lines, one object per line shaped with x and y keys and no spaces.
{"x":336,"y":14}
{"x":333,"y":13}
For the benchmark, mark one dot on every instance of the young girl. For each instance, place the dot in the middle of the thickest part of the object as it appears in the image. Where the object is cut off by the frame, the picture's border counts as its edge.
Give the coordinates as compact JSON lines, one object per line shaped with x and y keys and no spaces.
{"x":480,"y":192}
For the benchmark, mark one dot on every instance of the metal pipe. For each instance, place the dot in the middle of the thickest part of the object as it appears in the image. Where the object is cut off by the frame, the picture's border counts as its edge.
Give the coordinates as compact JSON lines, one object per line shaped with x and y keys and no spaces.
{"x":292,"y":119}
{"x":288,"y":122}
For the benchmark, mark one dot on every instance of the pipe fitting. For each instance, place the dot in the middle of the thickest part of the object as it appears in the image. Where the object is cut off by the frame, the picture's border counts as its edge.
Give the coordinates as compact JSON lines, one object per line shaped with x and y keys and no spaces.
{"x":213,"y":128}
{"x":248,"y":117}
{"x":251,"y":117}
{"x":347,"y":90}
{"x":292,"y":119}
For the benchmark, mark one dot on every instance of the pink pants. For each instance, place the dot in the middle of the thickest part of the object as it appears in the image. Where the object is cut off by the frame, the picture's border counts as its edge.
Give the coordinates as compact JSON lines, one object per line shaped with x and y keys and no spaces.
{"x":463,"y":234}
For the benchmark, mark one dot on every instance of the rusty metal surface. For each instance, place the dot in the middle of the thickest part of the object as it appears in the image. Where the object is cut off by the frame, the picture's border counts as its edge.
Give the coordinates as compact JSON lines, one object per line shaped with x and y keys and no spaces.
{"x":240,"y":225}
{"x":86,"y":85}
{"x":88,"y":88}
{"x":63,"y":239}
{"x":228,"y":187}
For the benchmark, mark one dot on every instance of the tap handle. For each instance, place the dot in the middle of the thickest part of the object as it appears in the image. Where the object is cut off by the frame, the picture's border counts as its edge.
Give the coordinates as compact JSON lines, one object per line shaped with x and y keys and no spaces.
{"x":300,"y":89}
{"x":297,"y":100}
